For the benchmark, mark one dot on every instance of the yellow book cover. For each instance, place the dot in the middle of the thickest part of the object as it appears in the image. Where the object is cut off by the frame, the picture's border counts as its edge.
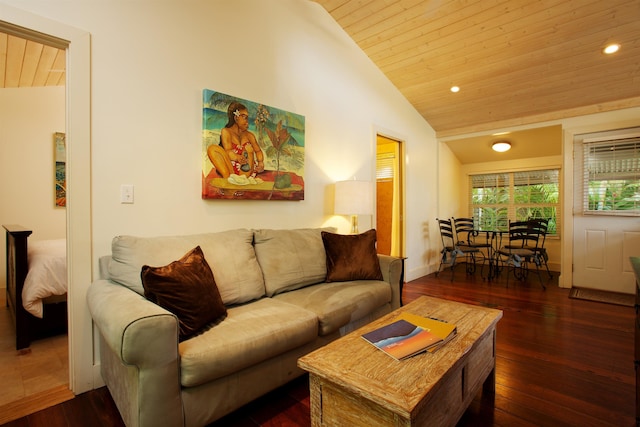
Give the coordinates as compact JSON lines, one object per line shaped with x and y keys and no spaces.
{"x":446,"y":331}
{"x":402,"y":339}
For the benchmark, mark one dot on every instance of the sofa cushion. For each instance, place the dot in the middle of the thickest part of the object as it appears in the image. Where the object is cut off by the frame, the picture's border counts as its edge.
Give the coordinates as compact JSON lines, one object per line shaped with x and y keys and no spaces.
{"x":339,"y":303}
{"x":351,"y":257}
{"x":290,"y":259}
{"x":230,"y":255}
{"x":250,"y":334}
{"x":186,"y":288}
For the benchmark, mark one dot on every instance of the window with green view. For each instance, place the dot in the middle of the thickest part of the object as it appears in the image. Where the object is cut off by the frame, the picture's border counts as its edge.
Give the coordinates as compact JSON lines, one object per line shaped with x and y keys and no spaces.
{"x":611,"y":178}
{"x":498,"y":198}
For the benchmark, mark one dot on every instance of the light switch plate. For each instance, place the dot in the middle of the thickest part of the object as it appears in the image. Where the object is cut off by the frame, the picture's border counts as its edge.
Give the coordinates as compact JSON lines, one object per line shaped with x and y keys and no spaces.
{"x":126,"y":193}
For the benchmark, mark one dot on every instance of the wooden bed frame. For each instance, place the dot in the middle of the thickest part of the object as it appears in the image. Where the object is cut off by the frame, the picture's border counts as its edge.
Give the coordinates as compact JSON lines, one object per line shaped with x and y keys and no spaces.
{"x":28,"y":327}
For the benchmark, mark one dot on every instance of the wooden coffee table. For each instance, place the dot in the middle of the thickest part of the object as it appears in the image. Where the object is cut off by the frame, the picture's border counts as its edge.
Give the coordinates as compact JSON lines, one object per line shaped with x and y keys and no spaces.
{"x":353,"y":383}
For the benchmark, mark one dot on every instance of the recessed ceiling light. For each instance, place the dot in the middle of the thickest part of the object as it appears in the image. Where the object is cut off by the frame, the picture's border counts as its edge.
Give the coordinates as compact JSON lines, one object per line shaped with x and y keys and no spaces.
{"x":455,"y":89}
{"x":501,"y":146}
{"x":612,"y":48}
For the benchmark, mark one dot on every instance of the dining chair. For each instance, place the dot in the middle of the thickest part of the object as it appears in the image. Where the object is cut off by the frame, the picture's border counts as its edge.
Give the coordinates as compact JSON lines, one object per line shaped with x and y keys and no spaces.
{"x":543,"y":224}
{"x":467,"y":240}
{"x":521,"y":250}
{"x":451,"y":252}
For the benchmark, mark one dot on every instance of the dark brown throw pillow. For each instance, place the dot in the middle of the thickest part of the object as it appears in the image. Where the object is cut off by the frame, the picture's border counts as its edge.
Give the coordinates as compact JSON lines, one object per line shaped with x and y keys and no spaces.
{"x":351,"y":257}
{"x":187,"y":289}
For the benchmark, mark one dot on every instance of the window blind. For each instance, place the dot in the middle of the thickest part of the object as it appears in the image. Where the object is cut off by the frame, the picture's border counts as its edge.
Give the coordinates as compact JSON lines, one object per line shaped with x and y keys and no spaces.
{"x":385,"y":162}
{"x":611,"y":176}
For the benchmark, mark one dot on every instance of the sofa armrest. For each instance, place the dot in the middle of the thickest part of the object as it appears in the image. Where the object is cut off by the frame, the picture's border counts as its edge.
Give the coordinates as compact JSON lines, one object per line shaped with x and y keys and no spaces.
{"x":139,"y":331}
{"x":139,"y":354}
{"x":392,"y":273}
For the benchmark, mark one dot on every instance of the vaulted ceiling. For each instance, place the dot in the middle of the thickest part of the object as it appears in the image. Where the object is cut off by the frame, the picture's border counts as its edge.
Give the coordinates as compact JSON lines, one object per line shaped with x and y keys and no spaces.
{"x":516,"y":62}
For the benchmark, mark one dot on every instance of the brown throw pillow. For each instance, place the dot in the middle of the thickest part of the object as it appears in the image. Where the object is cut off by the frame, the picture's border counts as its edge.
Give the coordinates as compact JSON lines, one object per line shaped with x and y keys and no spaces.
{"x":351,"y":257}
{"x":187,"y":289}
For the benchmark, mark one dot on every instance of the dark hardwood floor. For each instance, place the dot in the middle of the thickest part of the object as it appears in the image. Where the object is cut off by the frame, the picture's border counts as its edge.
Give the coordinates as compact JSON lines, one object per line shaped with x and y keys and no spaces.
{"x":560,"y":362}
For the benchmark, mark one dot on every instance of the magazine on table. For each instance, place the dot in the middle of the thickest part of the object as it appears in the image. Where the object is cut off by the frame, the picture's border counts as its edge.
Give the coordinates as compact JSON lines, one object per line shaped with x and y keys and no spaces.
{"x":411,"y":335}
{"x":441,"y":328}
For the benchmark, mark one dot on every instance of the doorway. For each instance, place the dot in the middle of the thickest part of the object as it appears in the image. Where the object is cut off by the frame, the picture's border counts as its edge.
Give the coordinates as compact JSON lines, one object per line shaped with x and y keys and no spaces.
{"x":83,"y":374}
{"x":605,"y":220}
{"x":389,"y":196}
{"x":33,"y":104}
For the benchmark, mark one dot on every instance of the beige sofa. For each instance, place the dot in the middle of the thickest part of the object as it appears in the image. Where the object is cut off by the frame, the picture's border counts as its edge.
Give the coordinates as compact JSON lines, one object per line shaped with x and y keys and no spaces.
{"x":279,"y":306}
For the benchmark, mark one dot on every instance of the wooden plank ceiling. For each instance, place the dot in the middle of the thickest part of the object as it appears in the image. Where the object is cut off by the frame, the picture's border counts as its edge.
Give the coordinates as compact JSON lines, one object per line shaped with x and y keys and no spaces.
{"x":28,"y":63}
{"x":516,"y":61}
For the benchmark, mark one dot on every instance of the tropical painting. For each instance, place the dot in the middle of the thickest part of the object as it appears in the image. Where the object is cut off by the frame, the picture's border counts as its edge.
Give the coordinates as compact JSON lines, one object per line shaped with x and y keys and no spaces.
{"x":60,"y":155}
{"x":250,"y":151}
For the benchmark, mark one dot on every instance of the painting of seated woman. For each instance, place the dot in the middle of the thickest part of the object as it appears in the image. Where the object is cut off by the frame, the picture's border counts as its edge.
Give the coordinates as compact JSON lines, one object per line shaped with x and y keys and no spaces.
{"x":250,"y":150}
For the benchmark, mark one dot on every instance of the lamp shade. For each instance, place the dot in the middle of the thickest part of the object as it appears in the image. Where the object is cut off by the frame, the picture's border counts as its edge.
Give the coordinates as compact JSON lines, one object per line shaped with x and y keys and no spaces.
{"x":353,"y":198}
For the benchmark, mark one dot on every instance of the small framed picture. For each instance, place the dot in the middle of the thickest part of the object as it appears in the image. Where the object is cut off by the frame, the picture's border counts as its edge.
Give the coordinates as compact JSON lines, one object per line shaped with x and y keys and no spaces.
{"x":60,"y":156}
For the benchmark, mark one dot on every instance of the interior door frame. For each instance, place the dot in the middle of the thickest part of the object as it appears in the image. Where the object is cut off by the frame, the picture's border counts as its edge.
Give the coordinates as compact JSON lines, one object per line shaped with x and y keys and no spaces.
{"x":401,"y":184}
{"x":78,"y":129}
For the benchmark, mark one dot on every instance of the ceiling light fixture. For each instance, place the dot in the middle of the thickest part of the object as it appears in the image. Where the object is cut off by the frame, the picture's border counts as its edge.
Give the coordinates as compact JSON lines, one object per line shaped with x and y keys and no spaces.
{"x":455,"y":89}
{"x":612,"y":48}
{"x":501,"y":146}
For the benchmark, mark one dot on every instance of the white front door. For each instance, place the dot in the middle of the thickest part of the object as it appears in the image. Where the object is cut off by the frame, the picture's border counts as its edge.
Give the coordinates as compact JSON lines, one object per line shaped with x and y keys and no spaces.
{"x":602,"y":247}
{"x":603,"y":241}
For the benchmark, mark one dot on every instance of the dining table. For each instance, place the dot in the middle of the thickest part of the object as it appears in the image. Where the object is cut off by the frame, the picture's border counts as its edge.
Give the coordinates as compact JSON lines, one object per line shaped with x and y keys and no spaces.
{"x":492,"y":236}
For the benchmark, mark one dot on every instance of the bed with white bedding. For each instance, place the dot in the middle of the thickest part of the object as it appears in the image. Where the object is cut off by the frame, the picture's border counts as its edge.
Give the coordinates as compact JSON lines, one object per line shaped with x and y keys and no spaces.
{"x":36,"y":285}
{"x":47,"y":274}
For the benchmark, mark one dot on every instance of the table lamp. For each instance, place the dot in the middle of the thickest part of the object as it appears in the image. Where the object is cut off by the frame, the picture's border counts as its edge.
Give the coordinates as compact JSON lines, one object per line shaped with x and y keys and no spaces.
{"x":353,"y":198}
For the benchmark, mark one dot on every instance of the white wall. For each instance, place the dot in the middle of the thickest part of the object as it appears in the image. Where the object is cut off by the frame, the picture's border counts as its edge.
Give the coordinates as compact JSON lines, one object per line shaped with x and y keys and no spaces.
{"x":29,"y":117}
{"x":450,"y":183}
{"x":149,"y":63}
{"x":147,"y":80}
